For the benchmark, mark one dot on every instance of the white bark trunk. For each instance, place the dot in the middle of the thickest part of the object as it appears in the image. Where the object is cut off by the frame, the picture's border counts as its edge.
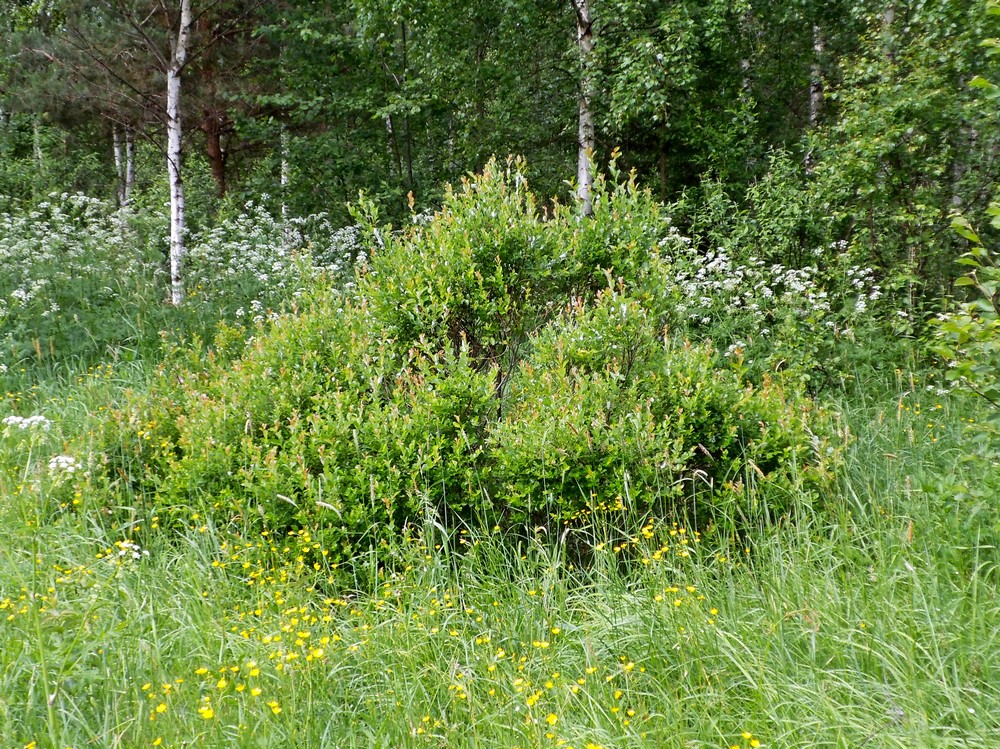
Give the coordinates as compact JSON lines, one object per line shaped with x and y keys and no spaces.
{"x":957,"y":172}
{"x":36,"y":141}
{"x":116,"y":145}
{"x":285,"y":171}
{"x":815,"y":88}
{"x":816,"y":78}
{"x":174,"y":134}
{"x":129,"y":165}
{"x":888,"y":35}
{"x":585,"y":133}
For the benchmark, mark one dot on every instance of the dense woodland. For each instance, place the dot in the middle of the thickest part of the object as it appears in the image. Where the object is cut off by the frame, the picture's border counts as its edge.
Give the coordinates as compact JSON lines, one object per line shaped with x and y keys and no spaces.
{"x":877,"y":105}
{"x":579,"y":374}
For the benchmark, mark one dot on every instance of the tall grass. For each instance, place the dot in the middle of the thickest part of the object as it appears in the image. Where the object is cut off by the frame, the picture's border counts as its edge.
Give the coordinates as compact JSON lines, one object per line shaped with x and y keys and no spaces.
{"x":869,"y":620}
{"x":861,"y":612}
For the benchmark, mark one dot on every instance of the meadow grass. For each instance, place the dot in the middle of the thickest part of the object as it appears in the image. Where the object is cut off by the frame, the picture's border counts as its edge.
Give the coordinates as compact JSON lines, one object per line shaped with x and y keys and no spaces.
{"x":866,"y":618}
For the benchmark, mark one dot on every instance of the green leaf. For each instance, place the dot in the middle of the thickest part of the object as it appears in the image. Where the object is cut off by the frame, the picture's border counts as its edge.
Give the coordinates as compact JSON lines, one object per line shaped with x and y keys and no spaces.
{"x":961,"y":225}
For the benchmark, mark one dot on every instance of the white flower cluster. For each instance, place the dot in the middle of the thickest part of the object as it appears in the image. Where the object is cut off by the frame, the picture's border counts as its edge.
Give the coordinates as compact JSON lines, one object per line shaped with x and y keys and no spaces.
{"x":129,"y":550}
{"x":715,"y":285}
{"x":64,"y":464}
{"x":59,"y":252}
{"x":23,"y":295}
{"x":26,"y":423}
{"x":66,"y":232}
{"x":55,"y":256}
{"x":257,"y":255}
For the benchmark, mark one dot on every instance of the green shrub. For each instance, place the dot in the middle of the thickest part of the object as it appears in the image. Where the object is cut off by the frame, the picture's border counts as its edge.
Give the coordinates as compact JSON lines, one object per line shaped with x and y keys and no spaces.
{"x":446,"y":387}
{"x":204,"y":408}
{"x":489,"y":268}
{"x":467,"y":276}
{"x":607,"y":412}
{"x":315,"y":425}
{"x":968,"y":335}
{"x":625,"y":230}
{"x":415,"y":451}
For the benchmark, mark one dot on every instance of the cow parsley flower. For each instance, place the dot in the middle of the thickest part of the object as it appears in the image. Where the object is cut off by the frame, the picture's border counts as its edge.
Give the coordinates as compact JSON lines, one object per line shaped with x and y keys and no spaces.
{"x":64,"y":464}
{"x":28,"y":423}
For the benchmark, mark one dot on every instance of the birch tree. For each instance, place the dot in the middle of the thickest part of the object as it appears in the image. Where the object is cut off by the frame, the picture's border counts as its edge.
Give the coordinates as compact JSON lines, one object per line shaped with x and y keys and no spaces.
{"x":815,"y":89}
{"x":123,"y":149}
{"x":586,"y":139}
{"x":816,"y":77}
{"x":175,"y":132}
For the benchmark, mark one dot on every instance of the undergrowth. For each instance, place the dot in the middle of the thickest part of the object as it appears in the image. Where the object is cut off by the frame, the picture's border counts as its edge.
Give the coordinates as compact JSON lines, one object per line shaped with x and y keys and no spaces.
{"x":874,"y":619}
{"x":514,"y":499}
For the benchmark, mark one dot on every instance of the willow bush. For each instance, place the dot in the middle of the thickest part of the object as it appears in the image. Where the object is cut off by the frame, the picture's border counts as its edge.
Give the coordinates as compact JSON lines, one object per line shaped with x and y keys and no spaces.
{"x":475,"y":372}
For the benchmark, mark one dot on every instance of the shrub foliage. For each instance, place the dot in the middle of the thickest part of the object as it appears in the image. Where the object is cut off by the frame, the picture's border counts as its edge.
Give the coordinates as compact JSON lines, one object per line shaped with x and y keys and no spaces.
{"x":492,"y":363}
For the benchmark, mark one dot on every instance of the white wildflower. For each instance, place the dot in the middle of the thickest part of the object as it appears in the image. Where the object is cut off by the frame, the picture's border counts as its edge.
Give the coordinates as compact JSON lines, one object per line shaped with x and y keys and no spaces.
{"x":64,"y":463}
{"x":27,"y":423}
{"x":129,"y":550}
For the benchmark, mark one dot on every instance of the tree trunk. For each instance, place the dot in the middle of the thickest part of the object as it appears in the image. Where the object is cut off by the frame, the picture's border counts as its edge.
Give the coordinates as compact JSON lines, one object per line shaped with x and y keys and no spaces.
{"x":116,"y":145}
{"x":129,"y":165}
{"x":124,"y":151}
{"x":663,"y":172}
{"x":36,"y":141}
{"x":408,"y":140}
{"x":174,"y":133}
{"x":585,"y":133}
{"x":393,"y":142}
{"x":816,"y":78}
{"x":284,"y":144}
{"x":815,"y":88}
{"x":888,"y":34}
{"x":213,"y":126}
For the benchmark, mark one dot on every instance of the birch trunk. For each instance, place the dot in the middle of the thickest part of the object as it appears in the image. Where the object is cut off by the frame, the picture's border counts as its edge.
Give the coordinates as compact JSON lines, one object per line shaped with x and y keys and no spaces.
{"x":174,"y":132}
{"x":816,"y":78}
{"x":393,"y":143}
{"x":888,"y":35}
{"x":36,"y":141}
{"x":129,"y":165}
{"x":284,"y":145}
{"x":815,"y":88}
{"x":585,"y":132}
{"x":116,"y":145}
{"x":408,"y":139}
